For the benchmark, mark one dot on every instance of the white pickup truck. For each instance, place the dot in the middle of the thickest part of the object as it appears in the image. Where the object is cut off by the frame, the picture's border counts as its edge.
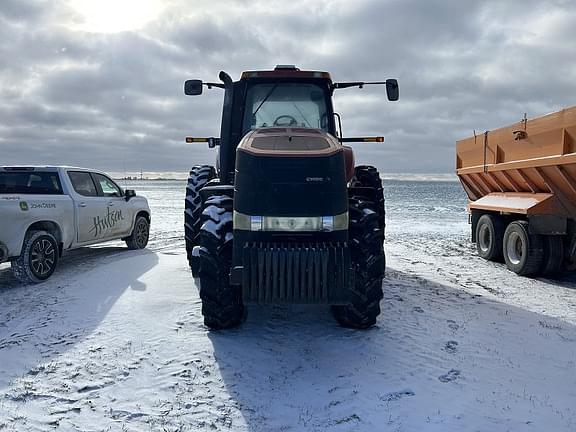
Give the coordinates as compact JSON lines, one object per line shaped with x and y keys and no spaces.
{"x":46,"y":210}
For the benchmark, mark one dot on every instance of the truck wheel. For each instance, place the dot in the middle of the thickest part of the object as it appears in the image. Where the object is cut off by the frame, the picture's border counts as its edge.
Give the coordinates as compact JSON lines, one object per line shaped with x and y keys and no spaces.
{"x":523,"y":252}
{"x":553,"y":255}
{"x":489,"y":236}
{"x":199,"y":176}
{"x":368,"y":261}
{"x":369,"y":177}
{"x":222,"y":304}
{"x":38,"y":259}
{"x":140,"y":234}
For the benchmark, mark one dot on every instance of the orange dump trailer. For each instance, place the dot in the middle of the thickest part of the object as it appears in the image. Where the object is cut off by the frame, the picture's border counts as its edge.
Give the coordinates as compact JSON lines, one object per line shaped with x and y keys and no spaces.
{"x":521,"y":182}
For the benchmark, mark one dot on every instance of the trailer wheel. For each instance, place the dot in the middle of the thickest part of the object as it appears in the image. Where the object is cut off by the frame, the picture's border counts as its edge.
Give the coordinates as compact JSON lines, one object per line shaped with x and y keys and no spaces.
{"x":523,"y":252}
{"x":489,"y":236}
{"x":368,"y":261}
{"x":199,"y":176}
{"x":553,"y":255}
{"x":222,"y":305}
{"x":369,"y":177}
{"x":38,"y":259}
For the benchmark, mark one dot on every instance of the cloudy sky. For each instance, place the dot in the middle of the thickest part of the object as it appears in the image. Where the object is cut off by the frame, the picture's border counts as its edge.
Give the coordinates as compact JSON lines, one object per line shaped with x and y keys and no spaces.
{"x":99,"y":83}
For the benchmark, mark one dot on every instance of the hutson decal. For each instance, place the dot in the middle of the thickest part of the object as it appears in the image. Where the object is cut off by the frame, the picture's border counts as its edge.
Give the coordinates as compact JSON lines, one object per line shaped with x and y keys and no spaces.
{"x":102,"y":224}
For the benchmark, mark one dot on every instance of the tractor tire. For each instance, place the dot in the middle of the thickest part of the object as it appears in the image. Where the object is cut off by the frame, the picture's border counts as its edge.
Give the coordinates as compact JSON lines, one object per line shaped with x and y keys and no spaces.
{"x":199,"y":176}
{"x":38,"y":259}
{"x":553,"y":255}
{"x":368,"y":262}
{"x":222,"y":304}
{"x":523,"y":252}
{"x":140,"y":234}
{"x":368,"y":176}
{"x":489,"y":237}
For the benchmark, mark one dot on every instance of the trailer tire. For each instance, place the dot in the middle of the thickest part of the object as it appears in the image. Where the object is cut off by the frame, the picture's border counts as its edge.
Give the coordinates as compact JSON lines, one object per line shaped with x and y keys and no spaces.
{"x":553,"y":255}
{"x":222,"y":304}
{"x":199,"y":176}
{"x":368,"y":262}
{"x":38,"y":259}
{"x":523,"y":252}
{"x":369,"y":177}
{"x":489,"y":237}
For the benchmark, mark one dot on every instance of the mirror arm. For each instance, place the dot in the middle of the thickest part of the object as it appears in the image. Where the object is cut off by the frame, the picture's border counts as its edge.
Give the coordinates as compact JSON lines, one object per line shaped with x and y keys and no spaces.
{"x":210,"y":85}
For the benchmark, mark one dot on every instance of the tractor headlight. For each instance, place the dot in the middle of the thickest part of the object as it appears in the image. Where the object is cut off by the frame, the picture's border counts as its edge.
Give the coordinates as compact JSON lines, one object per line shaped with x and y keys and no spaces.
{"x":286,"y":223}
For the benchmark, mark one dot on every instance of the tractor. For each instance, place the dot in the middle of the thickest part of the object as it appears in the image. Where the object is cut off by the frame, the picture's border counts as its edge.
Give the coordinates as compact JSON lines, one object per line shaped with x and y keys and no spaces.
{"x":285,"y":217}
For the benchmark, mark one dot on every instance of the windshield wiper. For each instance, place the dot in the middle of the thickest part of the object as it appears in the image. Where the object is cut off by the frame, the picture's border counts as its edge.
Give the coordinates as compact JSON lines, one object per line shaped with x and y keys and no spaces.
{"x":266,"y":98}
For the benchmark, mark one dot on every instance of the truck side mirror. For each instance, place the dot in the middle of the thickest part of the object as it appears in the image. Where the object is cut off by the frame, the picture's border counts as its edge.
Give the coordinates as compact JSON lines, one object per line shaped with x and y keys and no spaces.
{"x":129,"y":193}
{"x":392,"y":89}
{"x":193,"y":87}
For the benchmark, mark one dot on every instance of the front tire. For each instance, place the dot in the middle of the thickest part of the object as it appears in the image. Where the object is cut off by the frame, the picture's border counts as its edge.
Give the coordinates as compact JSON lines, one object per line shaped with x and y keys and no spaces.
{"x":199,"y":176}
{"x":38,"y":259}
{"x":368,"y":261}
{"x":140,"y":234}
{"x":222,"y":304}
{"x":489,"y":236}
{"x":523,"y":252}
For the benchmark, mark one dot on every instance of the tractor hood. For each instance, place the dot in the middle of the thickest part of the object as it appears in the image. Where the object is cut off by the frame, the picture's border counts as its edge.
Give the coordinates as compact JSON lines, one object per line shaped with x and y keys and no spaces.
{"x":290,"y":172}
{"x":290,"y":142}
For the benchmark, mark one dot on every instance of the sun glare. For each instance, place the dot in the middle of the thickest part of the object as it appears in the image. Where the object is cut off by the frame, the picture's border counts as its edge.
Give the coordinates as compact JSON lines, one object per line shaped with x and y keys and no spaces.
{"x":112,"y":16}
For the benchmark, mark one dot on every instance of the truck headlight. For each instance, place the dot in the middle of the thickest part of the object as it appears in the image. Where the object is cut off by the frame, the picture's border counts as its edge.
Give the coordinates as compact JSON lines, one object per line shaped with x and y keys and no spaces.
{"x":286,"y":223}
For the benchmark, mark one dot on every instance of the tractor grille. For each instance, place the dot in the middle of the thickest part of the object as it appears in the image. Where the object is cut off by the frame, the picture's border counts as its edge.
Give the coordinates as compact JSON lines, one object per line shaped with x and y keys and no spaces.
{"x":309,"y":273}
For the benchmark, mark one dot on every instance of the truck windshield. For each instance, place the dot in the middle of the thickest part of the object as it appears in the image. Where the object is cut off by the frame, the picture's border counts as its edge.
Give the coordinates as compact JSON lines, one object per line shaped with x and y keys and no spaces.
{"x":33,"y":183}
{"x":285,"y":105}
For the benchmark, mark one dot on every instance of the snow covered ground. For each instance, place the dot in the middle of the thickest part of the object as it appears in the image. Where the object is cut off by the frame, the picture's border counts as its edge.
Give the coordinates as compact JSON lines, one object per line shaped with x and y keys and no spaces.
{"x":115,"y":341}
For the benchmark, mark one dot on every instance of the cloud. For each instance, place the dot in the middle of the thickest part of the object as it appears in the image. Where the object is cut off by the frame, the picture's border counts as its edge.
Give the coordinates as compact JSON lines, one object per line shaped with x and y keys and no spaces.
{"x":114,"y":101}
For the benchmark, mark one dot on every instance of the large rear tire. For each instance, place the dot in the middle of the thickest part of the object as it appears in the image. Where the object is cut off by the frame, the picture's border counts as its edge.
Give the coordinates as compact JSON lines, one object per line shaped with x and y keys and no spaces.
{"x":199,"y":176}
{"x":523,"y":252}
{"x":38,"y":259}
{"x":367,"y":176}
{"x":222,"y":304}
{"x":489,"y":237}
{"x":368,"y":261}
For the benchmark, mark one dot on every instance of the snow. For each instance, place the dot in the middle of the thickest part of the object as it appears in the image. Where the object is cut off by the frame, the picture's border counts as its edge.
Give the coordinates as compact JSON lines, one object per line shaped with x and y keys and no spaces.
{"x":115,"y":341}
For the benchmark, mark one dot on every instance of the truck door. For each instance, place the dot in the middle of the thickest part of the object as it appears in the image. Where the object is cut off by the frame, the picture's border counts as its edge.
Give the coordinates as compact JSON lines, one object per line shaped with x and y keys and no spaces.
{"x":91,"y":209}
{"x":120,"y":214}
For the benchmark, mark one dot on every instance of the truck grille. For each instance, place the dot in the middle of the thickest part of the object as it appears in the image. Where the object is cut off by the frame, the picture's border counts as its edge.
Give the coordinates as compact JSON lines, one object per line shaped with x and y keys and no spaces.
{"x":309,"y":273}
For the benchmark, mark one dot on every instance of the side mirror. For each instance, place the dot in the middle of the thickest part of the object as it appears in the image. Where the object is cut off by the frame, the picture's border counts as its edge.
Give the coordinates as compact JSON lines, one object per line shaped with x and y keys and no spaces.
{"x":193,"y":87}
{"x":392,"y":89}
{"x":129,"y":193}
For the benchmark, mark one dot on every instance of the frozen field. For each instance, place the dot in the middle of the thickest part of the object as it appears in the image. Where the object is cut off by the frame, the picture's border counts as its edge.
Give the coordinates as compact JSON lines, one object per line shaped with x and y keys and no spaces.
{"x":115,"y":341}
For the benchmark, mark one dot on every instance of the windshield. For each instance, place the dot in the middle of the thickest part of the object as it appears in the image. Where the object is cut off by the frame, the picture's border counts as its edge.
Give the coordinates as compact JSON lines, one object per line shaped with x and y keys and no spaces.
{"x":285,"y":105}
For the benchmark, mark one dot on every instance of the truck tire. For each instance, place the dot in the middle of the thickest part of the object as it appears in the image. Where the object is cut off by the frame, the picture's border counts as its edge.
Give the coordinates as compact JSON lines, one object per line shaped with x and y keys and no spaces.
{"x":222,"y":304}
{"x":368,"y":262}
{"x":369,"y":177}
{"x":199,"y":176}
{"x":38,"y":259}
{"x":523,"y":252}
{"x":553,"y":255}
{"x":489,"y":237}
{"x":140,"y":234}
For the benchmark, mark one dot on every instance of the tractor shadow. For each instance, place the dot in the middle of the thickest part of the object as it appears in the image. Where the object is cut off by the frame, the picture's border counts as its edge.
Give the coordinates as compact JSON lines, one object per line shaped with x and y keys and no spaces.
{"x":41,"y":321}
{"x":293,"y":368}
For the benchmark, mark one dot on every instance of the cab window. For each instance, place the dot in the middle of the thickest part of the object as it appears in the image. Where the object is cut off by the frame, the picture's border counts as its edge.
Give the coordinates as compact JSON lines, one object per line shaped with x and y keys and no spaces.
{"x":106,"y":186}
{"x":82,"y":183}
{"x":285,"y":105}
